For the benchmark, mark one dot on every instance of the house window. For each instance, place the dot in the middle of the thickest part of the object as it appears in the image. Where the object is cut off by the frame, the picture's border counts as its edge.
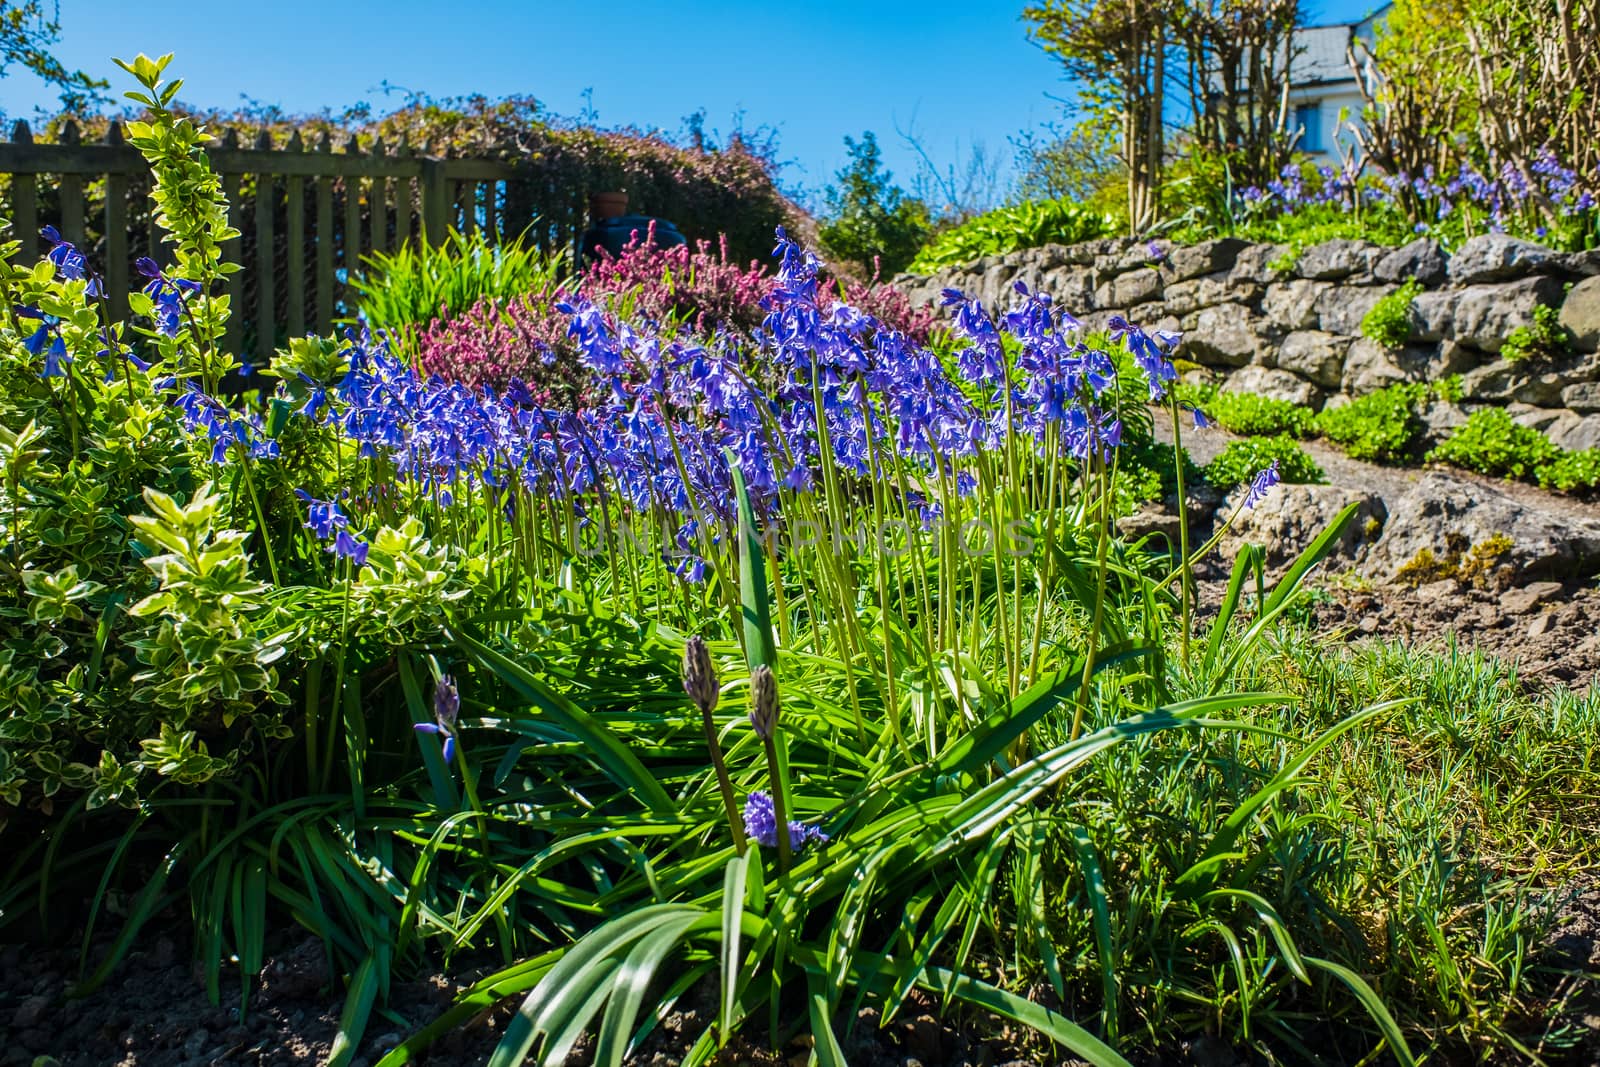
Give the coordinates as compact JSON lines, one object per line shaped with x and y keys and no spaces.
{"x":1309,"y":118}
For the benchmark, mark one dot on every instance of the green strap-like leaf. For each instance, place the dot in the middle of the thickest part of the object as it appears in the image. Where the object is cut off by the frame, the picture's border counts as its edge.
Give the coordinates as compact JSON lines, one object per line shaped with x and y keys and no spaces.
{"x":754,"y":602}
{"x":1053,"y":1025}
{"x":615,"y":758}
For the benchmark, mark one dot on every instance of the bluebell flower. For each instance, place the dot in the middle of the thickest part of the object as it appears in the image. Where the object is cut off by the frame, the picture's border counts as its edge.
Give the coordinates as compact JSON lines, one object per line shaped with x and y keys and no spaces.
{"x":761,"y":823}
{"x":54,"y":357}
{"x":1259,"y":486}
{"x":69,"y":262}
{"x":446,"y":706}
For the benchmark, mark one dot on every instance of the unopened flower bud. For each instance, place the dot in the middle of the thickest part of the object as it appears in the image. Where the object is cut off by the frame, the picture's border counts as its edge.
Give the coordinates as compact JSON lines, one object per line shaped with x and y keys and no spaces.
{"x":699,"y":679}
{"x":446,"y":702}
{"x":763,"y":702}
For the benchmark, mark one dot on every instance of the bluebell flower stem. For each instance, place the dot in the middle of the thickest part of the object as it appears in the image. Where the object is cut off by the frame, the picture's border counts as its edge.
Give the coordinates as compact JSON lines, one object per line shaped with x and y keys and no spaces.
{"x":730,"y":805}
{"x":1186,"y":580}
{"x":780,"y":803}
{"x":261,"y":518}
{"x":1103,"y":525}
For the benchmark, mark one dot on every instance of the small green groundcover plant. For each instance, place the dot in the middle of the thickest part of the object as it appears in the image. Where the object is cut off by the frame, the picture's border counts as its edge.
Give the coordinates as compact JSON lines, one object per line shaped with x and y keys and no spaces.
{"x":1381,"y":427}
{"x":747,"y":696}
{"x":1239,"y":461}
{"x":1543,"y":338}
{"x":1388,"y":322}
{"x":1492,"y":442}
{"x":1009,"y":229}
{"x":1249,"y":414}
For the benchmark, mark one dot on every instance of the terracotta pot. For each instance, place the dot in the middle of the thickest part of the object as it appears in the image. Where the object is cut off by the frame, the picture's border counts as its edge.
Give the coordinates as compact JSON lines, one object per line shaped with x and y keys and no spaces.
{"x":607,"y":205}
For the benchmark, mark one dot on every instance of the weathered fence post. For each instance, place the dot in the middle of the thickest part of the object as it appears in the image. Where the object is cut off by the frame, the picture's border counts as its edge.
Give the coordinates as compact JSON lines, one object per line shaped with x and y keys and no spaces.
{"x":116,"y":232}
{"x":402,"y":199}
{"x":435,"y":202}
{"x":294,"y":224}
{"x":71,"y":192}
{"x":25,"y":202}
{"x":265,"y":197}
{"x":234,"y":338}
{"x":325,"y":234}
{"x":378,"y":201}
{"x":352,"y":221}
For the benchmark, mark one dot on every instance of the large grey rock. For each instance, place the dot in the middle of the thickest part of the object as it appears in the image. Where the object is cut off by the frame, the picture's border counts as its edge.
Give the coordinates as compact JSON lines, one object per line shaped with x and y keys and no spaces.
{"x":1439,"y":420}
{"x":1503,"y":381}
{"x":1207,"y":257}
{"x":1183,"y":298}
{"x":1534,"y":417}
{"x":1315,"y":355}
{"x":1292,"y":305}
{"x":1072,"y":288}
{"x":1125,"y":290}
{"x":1254,"y":265}
{"x":1274,"y":384}
{"x":1451,"y":357}
{"x":1444,"y":513}
{"x":1225,"y":335}
{"x":1422,"y":260}
{"x":1433,"y":315}
{"x":1290,"y":517}
{"x":1580,"y":314}
{"x":1341,"y":309}
{"x":1368,"y":367}
{"x":1336,"y":259}
{"x":1494,"y":257}
{"x":1484,"y":314}
{"x":1582,"y":397}
{"x":1574,"y":432}
{"x":1585,"y":264}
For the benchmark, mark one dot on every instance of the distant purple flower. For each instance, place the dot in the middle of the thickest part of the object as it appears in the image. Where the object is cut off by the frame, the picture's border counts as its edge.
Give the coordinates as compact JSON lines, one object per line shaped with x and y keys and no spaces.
{"x":761,"y":823}
{"x":68,"y":260}
{"x":1261,"y":484}
{"x":327,"y":521}
{"x":446,"y":706}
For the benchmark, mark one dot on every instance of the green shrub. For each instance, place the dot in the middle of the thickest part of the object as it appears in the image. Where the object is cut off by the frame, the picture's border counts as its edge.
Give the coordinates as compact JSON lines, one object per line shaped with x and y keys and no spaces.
{"x":1380,"y":427}
{"x":1572,"y":471}
{"x":871,"y":223}
{"x":1492,"y":443}
{"x":1009,"y":229}
{"x":419,"y":283}
{"x":1545,"y":337}
{"x":1241,"y":461}
{"x":1250,"y":415}
{"x":1389,"y":321}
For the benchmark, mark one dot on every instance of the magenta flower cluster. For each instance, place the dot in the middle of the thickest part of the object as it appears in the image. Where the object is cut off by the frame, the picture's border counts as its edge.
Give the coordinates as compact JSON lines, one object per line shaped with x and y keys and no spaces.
{"x":697,"y":290}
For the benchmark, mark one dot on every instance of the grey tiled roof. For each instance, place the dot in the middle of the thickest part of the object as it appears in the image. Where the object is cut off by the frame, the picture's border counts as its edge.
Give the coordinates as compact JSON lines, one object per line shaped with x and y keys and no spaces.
{"x":1320,"y":55}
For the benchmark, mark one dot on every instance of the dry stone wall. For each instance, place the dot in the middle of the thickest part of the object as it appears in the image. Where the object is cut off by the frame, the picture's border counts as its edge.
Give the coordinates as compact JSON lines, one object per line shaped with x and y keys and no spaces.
{"x":1294,"y":331}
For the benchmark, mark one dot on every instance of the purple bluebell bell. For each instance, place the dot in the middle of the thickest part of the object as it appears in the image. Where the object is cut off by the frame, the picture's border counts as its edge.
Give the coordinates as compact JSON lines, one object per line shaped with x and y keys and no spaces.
{"x":72,"y":265}
{"x":1261,"y":484}
{"x":446,"y":707}
{"x":761,"y":823}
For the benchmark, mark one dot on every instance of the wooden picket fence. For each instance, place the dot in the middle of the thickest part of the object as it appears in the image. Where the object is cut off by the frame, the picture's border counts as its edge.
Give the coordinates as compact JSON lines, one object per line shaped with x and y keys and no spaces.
{"x":305,"y":216}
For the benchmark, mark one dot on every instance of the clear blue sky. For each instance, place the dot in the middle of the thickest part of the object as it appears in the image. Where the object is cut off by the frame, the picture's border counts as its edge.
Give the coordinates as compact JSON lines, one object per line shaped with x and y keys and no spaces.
{"x":955,"y":73}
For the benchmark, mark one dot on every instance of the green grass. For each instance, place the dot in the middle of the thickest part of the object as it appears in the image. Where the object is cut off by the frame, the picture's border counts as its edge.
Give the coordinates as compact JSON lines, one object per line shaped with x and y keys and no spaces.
{"x":418,"y":282}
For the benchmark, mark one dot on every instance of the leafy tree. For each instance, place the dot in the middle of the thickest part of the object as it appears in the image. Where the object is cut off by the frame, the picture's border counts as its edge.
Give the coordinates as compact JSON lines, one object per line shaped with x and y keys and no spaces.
{"x":871,"y":224}
{"x":1079,"y":163}
{"x":1118,"y":51}
{"x":1238,"y":55}
{"x":27,"y":36}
